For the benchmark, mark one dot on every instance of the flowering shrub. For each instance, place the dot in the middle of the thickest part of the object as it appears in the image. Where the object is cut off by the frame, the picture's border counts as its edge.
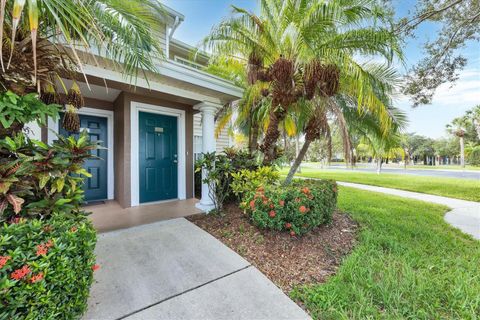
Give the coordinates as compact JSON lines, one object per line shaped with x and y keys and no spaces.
{"x":296,"y":208}
{"x":246,"y":180}
{"x":46,"y":267}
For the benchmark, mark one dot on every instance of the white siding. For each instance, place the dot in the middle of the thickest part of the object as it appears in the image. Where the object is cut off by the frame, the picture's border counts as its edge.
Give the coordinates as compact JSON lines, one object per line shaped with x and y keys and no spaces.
{"x":223,"y":140}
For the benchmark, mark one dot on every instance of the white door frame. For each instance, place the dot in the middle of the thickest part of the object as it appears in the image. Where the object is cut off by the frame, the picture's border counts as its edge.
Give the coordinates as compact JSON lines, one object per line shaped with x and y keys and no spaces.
{"x":55,"y":126}
{"x":135,"y":108}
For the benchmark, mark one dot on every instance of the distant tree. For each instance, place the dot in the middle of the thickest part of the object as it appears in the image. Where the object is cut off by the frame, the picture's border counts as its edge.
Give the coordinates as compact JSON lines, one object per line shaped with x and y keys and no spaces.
{"x":459,"y":22}
{"x":458,"y":129}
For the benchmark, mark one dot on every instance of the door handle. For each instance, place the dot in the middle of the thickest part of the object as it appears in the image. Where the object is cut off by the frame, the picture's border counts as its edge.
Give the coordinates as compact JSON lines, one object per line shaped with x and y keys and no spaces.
{"x":175,"y":161}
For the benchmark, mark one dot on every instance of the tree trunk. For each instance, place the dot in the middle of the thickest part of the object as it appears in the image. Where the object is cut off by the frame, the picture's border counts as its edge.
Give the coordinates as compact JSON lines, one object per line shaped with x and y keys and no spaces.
{"x":271,"y":137}
{"x":253,"y":141}
{"x":462,"y":152}
{"x":297,"y":151}
{"x":379,"y":165}
{"x":297,"y":162}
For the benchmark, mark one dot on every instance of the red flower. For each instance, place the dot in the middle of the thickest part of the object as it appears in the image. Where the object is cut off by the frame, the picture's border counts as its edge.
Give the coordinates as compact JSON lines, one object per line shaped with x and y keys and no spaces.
{"x":281,"y":202}
{"x":292,"y":233}
{"x":49,"y":243}
{"x":42,"y":250}
{"x":306,"y":190}
{"x":272,"y":214}
{"x":36,"y":278}
{"x":20,"y":273}
{"x":288,"y":225}
{"x":252,"y":204}
{"x":73,"y":229}
{"x":272,"y":206}
{"x":302,"y":209}
{"x":95,"y":267}
{"x":4,"y":260}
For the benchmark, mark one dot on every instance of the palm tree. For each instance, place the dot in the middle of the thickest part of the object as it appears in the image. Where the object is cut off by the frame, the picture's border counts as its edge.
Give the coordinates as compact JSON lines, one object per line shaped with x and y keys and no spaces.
{"x":457,"y":128}
{"x":43,"y":40}
{"x":303,"y":51}
{"x":474,"y":115}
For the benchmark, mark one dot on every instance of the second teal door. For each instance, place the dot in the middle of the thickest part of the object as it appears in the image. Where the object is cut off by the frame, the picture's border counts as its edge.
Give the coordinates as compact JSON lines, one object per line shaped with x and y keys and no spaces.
{"x":158,"y":158}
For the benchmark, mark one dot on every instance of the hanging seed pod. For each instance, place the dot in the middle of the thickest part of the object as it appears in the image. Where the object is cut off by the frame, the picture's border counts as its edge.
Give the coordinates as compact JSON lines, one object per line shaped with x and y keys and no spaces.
{"x":331,"y":80}
{"x":74,"y":96}
{"x":71,"y":120}
{"x":49,"y":95}
{"x":282,"y":70}
{"x":311,"y":76}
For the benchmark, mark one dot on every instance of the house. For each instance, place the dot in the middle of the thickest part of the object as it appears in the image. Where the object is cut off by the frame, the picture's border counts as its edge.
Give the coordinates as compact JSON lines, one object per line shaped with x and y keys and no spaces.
{"x":151,"y":129}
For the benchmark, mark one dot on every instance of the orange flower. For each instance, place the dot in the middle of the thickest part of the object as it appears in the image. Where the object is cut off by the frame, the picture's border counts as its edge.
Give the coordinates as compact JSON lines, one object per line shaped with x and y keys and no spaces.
{"x":306,"y":190}
{"x":42,"y":250}
{"x":272,"y":206}
{"x":272,"y":214}
{"x":302,"y":209}
{"x":4,"y":260}
{"x":49,"y":243}
{"x":260,"y":189}
{"x":36,"y":278}
{"x":281,"y":202}
{"x":252,"y":204}
{"x":20,"y":273}
{"x":73,"y":229}
{"x":95,"y":267}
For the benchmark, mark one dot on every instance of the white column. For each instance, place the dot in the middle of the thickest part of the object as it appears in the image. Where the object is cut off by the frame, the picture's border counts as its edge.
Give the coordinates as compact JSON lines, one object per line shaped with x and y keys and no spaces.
{"x":208,"y":145}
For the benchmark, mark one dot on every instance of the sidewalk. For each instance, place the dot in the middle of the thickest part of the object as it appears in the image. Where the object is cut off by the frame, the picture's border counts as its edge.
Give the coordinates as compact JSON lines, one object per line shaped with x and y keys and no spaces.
{"x":175,"y":270}
{"x":465,"y":215}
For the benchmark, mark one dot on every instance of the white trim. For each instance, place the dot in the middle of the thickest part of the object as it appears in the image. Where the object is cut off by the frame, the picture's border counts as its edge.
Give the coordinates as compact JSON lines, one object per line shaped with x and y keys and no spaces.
{"x":135,"y":108}
{"x":55,"y":126}
{"x":187,"y":62}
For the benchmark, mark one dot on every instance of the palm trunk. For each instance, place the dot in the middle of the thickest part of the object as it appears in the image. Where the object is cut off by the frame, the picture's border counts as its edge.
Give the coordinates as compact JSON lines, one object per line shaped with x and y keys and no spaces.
{"x":253,"y":141}
{"x":462,"y":152}
{"x":379,"y":165}
{"x":297,"y":162}
{"x":271,"y":137}
{"x":297,"y":151}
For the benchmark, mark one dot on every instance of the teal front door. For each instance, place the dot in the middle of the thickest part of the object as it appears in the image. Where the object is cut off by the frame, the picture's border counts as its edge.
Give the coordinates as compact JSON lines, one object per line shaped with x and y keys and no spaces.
{"x":158,"y":158}
{"x":95,"y":187}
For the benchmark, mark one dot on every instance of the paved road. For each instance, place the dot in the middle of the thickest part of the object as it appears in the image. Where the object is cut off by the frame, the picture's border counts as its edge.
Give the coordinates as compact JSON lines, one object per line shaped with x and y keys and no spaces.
{"x":465,"y":215}
{"x":417,"y":172}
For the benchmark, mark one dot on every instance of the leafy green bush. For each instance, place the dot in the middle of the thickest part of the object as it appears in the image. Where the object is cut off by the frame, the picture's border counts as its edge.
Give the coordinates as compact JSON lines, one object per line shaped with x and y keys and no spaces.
{"x":46,"y":267}
{"x":474,"y":156}
{"x":297,"y":208}
{"x":220,"y":167}
{"x":16,"y":111}
{"x":247,"y":180}
{"x":46,"y":241}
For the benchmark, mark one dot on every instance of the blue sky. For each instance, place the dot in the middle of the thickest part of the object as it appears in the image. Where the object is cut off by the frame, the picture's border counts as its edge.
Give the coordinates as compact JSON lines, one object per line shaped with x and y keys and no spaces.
{"x":430,"y":120}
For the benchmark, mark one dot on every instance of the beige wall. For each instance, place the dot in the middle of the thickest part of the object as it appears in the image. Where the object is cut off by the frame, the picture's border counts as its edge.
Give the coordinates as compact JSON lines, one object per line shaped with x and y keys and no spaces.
{"x":122,"y":138}
{"x":122,"y":155}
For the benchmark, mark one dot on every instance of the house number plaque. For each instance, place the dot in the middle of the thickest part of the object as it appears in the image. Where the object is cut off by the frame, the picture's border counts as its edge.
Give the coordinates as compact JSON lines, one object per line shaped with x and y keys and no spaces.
{"x":158,"y":129}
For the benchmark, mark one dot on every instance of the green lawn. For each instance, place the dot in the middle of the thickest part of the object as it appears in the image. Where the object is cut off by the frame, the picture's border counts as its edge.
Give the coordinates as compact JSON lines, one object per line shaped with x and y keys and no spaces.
{"x":408,"y":264}
{"x":467,"y":189}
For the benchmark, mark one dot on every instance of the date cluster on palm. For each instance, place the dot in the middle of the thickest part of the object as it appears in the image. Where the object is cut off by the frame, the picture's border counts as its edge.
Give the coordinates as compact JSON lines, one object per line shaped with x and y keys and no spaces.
{"x":74,"y":101}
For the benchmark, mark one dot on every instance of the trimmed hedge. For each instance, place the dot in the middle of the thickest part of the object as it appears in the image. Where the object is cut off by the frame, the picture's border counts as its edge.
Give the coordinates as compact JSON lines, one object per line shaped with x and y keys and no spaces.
{"x":297,"y":208}
{"x":46,"y":267}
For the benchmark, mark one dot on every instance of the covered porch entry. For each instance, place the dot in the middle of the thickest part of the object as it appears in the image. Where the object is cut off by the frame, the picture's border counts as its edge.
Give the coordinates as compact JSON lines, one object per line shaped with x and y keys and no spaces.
{"x":111,"y":216}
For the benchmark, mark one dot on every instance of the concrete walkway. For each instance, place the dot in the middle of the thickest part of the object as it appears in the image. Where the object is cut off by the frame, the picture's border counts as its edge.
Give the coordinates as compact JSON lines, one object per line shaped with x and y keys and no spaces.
{"x":465,"y":215}
{"x":175,"y":270}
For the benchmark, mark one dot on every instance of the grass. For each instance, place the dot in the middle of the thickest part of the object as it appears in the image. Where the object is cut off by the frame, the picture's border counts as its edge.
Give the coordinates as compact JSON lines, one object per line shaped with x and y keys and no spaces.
{"x":466,"y":189}
{"x":408,"y":264}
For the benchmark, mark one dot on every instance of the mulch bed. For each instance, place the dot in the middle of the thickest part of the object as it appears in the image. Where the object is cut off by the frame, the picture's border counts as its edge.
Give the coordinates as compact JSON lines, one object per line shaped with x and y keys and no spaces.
{"x":287,"y":261}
